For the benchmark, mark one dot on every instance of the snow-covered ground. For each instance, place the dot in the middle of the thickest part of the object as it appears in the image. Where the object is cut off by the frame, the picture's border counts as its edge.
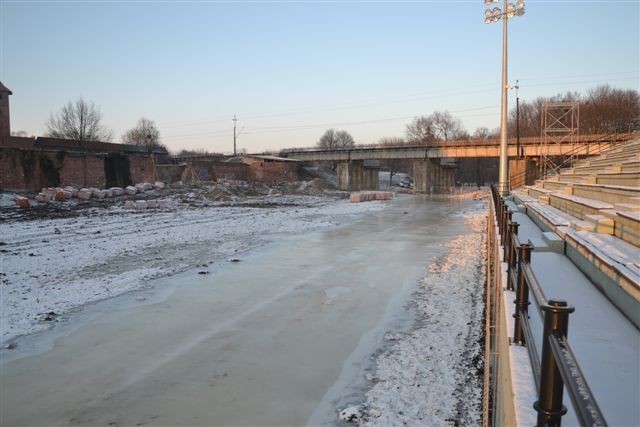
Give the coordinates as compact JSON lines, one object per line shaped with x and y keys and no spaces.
{"x":433,"y":375}
{"x":50,"y":268}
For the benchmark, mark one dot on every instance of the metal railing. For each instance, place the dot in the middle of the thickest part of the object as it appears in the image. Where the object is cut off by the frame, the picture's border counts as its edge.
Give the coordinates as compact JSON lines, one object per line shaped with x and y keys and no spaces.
{"x":556,"y":368}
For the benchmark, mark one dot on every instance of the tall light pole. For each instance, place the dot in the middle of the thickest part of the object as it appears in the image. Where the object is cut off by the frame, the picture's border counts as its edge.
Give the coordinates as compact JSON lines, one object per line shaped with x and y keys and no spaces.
{"x":235,"y":119}
{"x":494,"y":15}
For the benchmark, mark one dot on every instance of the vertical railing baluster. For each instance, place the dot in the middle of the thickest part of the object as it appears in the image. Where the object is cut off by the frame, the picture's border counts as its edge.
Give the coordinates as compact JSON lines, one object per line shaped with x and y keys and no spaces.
{"x":522,"y":294}
{"x":549,"y":405}
{"x":510,"y":253}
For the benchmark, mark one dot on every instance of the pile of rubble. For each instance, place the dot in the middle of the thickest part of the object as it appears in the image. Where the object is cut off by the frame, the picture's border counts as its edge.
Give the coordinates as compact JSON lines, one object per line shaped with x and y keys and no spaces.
{"x":61,"y":194}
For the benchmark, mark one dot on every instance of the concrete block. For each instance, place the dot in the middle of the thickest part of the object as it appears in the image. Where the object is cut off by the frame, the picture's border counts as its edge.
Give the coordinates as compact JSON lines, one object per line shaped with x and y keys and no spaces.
{"x":43,"y":198}
{"x":130,"y":190}
{"x":128,"y":204}
{"x":553,"y":241}
{"x":538,"y":244}
{"x":117,"y":191}
{"x":384,"y":195}
{"x":59,"y":196}
{"x":603,"y":224}
{"x":84,"y":194}
{"x":23,"y":202}
{"x":152,"y":204}
{"x":163,"y":204}
{"x":583,"y":226}
{"x":140,"y":204}
{"x":49,"y":192}
{"x":631,"y":207}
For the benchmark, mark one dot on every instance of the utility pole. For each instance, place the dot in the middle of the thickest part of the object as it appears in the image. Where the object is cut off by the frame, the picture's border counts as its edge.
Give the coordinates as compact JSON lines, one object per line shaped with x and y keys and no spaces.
{"x":519,"y":154}
{"x":235,"y":119}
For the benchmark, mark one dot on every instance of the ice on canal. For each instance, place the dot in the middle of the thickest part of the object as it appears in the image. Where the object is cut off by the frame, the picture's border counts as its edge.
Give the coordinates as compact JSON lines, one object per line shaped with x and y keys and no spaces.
{"x":381,"y":316}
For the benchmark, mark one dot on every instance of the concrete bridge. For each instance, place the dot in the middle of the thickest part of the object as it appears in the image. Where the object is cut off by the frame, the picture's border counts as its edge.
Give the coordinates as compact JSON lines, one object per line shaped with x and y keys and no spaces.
{"x":432,"y":174}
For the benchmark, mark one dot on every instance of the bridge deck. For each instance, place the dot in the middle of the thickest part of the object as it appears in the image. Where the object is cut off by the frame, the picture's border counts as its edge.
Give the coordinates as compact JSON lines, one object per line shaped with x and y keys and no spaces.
{"x":530,"y":147}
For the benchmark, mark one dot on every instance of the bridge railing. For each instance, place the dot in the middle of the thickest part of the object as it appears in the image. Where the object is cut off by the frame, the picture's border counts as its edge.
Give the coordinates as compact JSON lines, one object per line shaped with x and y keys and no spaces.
{"x":524,"y":141}
{"x":556,"y":368}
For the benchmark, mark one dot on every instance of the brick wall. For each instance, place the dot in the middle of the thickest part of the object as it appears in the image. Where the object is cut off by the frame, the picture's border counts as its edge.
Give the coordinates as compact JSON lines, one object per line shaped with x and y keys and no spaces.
{"x":141,"y":168}
{"x":271,"y":172}
{"x":73,"y":167}
{"x":32,"y":170}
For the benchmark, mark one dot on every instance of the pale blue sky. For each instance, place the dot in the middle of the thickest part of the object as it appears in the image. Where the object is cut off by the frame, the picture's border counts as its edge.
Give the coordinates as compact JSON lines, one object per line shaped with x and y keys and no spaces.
{"x":290,"y":70}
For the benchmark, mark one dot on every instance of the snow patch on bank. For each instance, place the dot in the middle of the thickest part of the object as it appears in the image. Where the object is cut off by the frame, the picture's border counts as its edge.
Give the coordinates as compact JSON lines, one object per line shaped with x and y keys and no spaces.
{"x":433,"y":375}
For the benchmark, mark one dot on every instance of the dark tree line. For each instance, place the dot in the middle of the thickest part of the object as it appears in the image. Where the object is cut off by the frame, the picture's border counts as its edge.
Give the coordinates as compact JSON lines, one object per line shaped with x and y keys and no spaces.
{"x":603,"y":110}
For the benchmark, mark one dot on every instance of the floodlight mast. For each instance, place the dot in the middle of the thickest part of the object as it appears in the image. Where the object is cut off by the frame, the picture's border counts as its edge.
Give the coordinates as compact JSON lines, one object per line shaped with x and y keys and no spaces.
{"x":493,"y":15}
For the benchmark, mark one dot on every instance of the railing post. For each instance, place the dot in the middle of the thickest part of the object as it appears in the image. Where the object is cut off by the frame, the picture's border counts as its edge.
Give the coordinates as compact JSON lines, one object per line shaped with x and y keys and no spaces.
{"x":505,"y":223}
{"x":499,"y":210}
{"x":522,"y":294}
{"x":549,"y":405}
{"x":508,"y":240}
{"x":510,"y":253}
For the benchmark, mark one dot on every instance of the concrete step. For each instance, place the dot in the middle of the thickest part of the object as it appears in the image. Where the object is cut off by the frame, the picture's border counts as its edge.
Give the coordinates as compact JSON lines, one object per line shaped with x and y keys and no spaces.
{"x":630,"y":179}
{"x":607,"y":193}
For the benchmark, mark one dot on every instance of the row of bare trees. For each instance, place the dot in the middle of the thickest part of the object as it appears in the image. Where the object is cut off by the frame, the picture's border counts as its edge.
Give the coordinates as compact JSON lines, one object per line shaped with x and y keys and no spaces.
{"x":603,"y":110}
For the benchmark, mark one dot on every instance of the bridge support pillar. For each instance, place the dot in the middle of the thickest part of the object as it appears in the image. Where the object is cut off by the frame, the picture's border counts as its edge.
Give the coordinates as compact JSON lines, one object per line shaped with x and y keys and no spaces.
{"x":523,"y":172}
{"x":350,"y":176}
{"x":357,"y":175}
{"x":432,"y":178}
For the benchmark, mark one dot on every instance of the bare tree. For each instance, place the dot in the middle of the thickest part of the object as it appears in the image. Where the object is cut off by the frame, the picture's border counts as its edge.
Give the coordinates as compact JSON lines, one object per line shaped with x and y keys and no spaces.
{"x":439,"y":126}
{"x":144,"y":134}
{"x":391,"y":141}
{"x":606,"y":110}
{"x":421,"y":130}
{"x":79,"y":121}
{"x":482,"y":132}
{"x":333,"y":139}
{"x":602,"y":110}
{"x":446,"y":127}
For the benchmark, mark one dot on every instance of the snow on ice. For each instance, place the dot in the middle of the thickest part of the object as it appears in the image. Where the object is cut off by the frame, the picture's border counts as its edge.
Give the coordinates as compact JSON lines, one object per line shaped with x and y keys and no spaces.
{"x":433,"y":375}
{"x":57,"y":265}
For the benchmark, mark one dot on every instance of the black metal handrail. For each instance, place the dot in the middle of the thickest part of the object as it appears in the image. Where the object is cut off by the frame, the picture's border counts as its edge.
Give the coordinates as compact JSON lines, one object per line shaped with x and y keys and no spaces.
{"x":557,"y":366}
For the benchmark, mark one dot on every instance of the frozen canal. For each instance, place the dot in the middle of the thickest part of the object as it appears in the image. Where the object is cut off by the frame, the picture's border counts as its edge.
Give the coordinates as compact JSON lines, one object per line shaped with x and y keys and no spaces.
{"x":275,"y":339}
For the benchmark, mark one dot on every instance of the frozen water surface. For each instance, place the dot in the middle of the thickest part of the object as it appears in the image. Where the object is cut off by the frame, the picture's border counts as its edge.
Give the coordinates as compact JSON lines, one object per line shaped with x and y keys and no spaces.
{"x":257,"y":342}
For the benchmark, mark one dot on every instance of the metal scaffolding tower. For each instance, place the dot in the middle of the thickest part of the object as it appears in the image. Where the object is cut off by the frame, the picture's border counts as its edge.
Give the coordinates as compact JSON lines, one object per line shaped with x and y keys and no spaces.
{"x":560,"y":125}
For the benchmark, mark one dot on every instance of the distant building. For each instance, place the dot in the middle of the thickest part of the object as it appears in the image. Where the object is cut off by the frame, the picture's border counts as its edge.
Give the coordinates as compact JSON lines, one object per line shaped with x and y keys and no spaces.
{"x":5,"y":121}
